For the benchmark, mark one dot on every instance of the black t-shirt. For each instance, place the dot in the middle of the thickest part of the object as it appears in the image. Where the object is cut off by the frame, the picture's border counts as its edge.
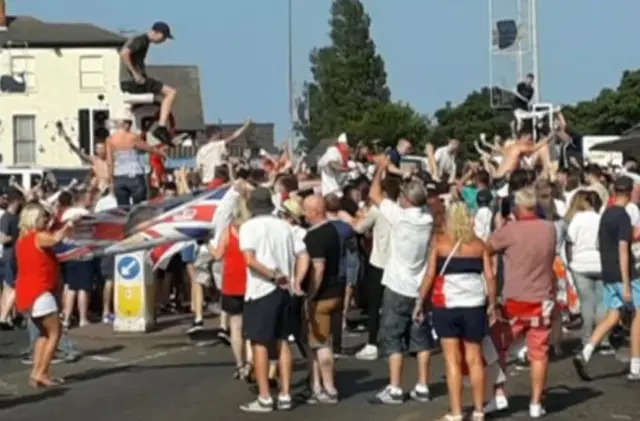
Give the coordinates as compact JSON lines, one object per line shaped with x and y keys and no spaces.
{"x":323,"y":243}
{"x":526,"y":92}
{"x":9,"y":227}
{"x":615,"y":226}
{"x":139,"y":47}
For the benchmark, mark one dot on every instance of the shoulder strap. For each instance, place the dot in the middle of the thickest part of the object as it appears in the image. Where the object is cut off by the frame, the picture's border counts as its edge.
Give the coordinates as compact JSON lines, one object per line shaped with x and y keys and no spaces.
{"x":454,"y":250}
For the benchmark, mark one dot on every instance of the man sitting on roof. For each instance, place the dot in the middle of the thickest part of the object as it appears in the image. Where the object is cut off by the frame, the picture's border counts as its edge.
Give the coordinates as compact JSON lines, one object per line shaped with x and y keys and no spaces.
{"x":133,"y":55}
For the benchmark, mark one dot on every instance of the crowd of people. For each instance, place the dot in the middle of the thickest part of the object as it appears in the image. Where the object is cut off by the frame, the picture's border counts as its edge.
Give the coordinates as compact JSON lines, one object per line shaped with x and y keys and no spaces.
{"x":474,"y":259}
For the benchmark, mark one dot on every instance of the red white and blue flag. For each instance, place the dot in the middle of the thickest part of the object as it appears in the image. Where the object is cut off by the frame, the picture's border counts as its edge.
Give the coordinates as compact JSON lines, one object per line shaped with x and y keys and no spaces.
{"x":181,"y":221}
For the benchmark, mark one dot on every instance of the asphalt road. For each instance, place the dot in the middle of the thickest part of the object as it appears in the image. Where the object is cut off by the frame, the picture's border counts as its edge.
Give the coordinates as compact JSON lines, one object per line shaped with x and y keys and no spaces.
{"x":168,"y":380}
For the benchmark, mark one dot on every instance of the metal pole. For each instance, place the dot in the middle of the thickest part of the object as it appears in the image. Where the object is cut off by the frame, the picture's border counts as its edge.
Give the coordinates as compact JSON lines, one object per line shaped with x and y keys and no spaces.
{"x":291,"y":88}
{"x":534,"y":50}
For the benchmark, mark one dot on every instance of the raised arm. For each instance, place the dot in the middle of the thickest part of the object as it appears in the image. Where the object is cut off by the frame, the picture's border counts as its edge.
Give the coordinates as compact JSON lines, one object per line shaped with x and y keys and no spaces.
{"x":84,"y":157}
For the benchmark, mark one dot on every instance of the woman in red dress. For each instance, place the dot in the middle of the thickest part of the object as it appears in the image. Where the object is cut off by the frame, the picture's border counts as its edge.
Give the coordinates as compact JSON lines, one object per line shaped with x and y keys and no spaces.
{"x":38,"y":286}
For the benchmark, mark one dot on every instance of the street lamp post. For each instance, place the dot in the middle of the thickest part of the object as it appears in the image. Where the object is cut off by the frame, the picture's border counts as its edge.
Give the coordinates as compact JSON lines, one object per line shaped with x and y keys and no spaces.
{"x":292,"y":107}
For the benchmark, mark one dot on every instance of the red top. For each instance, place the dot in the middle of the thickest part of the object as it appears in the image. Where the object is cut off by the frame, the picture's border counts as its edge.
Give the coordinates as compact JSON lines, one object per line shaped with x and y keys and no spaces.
{"x":37,"y":271}
{"x":234,"y":273}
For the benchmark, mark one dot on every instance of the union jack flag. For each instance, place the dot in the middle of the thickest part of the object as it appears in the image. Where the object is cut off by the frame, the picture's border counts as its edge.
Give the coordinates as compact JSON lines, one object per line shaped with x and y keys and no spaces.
{"x":181,"y":221}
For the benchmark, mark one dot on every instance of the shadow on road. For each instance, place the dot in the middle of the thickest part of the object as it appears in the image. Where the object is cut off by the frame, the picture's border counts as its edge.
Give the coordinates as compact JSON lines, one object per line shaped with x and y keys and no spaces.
{"x":558,"y":399}
{"x":96,"y":373}
{"x":7,"y":402}
{"x":103,"y":351}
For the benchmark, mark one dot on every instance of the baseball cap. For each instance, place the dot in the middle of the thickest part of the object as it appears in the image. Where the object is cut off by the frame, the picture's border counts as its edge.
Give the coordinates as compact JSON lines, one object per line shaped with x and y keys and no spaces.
{"x":623,"y":185}
{"x":163,"y":28}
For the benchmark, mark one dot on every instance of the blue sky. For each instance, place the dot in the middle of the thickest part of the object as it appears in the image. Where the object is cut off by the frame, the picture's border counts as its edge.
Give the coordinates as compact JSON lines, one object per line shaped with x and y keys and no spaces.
{"x":435,"y":50}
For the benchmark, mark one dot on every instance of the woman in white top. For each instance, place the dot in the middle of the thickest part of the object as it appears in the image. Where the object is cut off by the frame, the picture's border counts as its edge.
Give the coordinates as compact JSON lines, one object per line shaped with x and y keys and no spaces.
{"x":583,"y":219}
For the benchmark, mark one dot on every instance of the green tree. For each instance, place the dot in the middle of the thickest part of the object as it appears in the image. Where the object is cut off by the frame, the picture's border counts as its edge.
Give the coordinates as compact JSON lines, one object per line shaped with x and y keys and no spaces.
{"x":349,"y":91}
{"x":612,"y":112}
{"x":467,"y":120}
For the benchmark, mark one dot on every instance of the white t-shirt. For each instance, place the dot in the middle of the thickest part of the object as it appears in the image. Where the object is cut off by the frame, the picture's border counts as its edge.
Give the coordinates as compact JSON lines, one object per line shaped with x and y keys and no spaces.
{"x":275,"y":246}
{"x":330,"y":180}
{"x":210,"y":156}
{"x":561,"y":207}
{"x":634,"y":213}
{"x":582,"y":233}
{"x":482,"y":223}
{"x":445,"y":160}
{"x":411,"y":230}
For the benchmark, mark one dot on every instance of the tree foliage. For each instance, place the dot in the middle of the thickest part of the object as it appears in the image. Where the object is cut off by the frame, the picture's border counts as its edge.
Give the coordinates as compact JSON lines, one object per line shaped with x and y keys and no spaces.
{"x":349,"y":91}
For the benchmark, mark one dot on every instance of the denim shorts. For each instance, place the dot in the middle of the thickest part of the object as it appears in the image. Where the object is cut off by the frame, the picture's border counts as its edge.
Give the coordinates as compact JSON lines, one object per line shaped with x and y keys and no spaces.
{"x":189,"y":254}
{"x":352,"y":264}
{"x":613,"y":294}
{"x":10,"y":269}
{"x":398,"y":332}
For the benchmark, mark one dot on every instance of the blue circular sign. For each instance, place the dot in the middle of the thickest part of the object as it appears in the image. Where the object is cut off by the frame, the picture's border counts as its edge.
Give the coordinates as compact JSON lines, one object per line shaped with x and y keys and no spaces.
{"x":128,"y":267}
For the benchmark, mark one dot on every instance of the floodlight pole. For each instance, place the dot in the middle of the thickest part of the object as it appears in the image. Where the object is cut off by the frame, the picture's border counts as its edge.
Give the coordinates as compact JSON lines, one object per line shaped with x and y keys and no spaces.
{"x":533,"y":13}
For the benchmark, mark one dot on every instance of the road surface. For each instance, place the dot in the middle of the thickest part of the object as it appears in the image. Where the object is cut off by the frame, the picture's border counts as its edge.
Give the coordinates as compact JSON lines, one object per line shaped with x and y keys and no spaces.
{"x":169,"y":379}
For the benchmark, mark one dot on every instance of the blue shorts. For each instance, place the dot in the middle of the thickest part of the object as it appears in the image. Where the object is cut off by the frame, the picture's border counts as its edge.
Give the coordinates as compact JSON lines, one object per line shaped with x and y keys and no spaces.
{"x":189,"y":254}
{"x":10,"y":270}
{"x":81,"y":275}
{"x":613,"y":294}
{"x":352,"y":266}
{"x":466,"y":323}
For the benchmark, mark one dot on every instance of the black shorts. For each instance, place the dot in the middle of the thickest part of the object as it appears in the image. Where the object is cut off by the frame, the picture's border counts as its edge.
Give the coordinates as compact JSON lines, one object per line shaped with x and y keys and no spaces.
{"x":150,"y":86}
{"x":265,"y":319}
{"x":469,"y":324}
{"x":232,"y":304}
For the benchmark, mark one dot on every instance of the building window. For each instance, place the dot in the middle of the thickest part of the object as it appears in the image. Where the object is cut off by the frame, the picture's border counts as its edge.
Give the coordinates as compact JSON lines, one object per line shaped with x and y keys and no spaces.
{"x":91,"y":73}
{"x":24,"y":139}
{"x":24,"y":67}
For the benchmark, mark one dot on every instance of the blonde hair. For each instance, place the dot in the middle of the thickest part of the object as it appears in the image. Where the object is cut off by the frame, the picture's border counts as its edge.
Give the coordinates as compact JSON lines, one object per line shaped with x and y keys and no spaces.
{"x":30,"y":217}
{"x":579,"y":202}
{"x":242,"y":213}
{"x":460,"y":223}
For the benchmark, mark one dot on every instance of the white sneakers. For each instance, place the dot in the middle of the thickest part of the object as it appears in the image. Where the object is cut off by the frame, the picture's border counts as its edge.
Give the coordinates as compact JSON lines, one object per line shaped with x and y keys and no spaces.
{"x":368,"y":353}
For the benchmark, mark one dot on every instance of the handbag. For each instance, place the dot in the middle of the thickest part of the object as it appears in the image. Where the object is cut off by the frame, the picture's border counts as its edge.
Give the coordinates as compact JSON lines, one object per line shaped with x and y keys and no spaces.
{"x":438,"y":298}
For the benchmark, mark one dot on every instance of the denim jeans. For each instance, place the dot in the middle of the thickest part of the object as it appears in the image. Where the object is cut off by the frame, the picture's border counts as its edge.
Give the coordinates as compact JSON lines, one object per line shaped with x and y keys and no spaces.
{"x":65,"y":346}
{"x":591,"y":292}
{"x":130,"y":190}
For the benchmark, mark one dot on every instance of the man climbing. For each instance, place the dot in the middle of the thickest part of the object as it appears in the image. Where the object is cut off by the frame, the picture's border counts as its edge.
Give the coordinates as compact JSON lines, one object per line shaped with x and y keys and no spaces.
{"x":133,"y":55}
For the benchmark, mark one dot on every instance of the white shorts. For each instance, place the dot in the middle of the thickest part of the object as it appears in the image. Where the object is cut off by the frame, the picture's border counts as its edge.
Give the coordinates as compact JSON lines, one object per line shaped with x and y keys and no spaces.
{"x":44,"y":305}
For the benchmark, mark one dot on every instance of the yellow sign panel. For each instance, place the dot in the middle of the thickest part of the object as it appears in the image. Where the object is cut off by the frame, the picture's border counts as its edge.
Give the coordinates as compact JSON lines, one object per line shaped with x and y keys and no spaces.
{"x":129,"y":300}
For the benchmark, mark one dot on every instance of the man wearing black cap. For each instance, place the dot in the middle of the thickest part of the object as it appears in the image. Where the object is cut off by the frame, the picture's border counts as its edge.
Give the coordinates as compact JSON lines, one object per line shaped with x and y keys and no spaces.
{"x":620,"y":277}
{"x":274,"y":257}
{"x":133,"y":55}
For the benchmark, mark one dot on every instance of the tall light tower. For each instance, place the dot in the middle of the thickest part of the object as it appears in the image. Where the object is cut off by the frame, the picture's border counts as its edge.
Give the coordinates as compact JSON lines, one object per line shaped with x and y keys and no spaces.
{"x":292,"y":103}
{"x":513,"y":48}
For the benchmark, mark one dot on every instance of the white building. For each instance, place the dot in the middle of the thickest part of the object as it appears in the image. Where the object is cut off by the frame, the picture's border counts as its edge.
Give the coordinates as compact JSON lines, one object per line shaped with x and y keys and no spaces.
{"x":49,"y":72}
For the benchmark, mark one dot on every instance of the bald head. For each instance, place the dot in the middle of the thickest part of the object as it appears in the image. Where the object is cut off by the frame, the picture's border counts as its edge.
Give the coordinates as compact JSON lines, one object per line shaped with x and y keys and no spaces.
{"x":314,"y":209}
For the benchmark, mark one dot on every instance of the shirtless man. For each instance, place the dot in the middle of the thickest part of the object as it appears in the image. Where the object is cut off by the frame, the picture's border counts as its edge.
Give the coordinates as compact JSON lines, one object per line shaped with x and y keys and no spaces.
{"x":126,"y":173}
{"x":515,"y":151}
{"x":100,"y":177}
